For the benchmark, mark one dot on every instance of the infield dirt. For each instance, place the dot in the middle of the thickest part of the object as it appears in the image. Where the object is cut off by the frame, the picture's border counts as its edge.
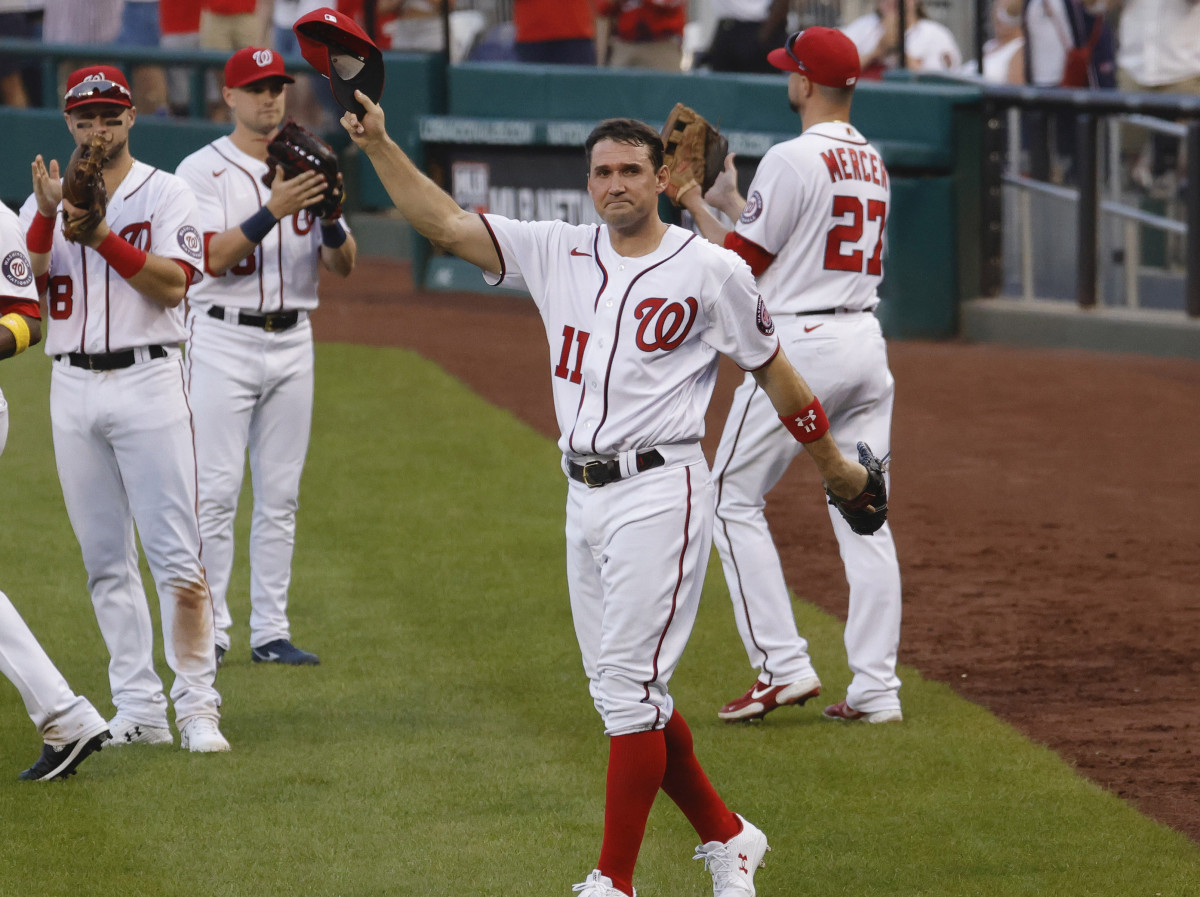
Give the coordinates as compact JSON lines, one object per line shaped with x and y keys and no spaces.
{"x":1045,"y":507}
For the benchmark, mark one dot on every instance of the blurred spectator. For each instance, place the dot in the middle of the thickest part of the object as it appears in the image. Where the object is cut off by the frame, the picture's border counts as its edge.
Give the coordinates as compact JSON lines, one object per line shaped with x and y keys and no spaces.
{"x":179,"y":29}
{"x":1159,"y":45}
{"x":411,"y":25}
{"x":1158,"y":52}
{"x":310,"y":99}
{"x":1068,"y":43}
{"x":555,"y":31}
{"x":229,"y":24}
{"x":284,"y":14}
{"x":645,"y":34}
{"x":82,"y":21}
{"x":15,"y":21}
{"x":928,"y":45}
{"x":140,"y":28}
{"x":1004,"y":54}
{"x":747,"y":30}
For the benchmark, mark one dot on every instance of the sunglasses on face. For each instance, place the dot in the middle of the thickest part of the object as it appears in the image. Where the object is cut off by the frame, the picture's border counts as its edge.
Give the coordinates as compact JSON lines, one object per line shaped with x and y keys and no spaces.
{"x":99,"y":91}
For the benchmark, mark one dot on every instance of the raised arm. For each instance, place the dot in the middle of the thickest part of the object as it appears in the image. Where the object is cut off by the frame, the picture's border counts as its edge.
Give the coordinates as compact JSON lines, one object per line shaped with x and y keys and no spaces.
{"x":426,"y":206}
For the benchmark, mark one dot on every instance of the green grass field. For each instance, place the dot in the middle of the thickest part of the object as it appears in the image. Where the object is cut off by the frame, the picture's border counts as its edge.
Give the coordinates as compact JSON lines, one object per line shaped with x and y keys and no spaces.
{"x":447,"y":746}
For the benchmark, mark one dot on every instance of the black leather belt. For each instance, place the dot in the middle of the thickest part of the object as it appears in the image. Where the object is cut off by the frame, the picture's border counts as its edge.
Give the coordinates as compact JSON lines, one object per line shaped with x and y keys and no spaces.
{"x":834,"y":311}
{"x":109,"y":361}
{"x":269,"y":321}
{"x":601,"y":473}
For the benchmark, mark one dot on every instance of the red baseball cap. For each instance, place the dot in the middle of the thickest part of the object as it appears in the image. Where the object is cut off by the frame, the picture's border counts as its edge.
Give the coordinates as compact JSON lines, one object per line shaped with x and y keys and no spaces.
{"x":336,"y":47}
{"x":823,"y":55}
{"x":251,"y":64}
{"x":97,"y":84}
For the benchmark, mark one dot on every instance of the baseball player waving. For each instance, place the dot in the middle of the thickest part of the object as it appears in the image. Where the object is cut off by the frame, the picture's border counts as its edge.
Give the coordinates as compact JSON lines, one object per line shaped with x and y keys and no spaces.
{"x":813,"y":231}
{"x":250,"y":348}
{"x":635,"y":312}
{"x":69,"y":725}
{"x":121,"y":425}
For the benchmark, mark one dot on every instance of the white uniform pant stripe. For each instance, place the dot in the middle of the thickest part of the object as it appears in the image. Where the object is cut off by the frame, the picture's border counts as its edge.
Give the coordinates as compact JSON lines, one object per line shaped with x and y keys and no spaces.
{"x":61,"y":716}
{"x":123,"y":446}
{"x":636,"y":556}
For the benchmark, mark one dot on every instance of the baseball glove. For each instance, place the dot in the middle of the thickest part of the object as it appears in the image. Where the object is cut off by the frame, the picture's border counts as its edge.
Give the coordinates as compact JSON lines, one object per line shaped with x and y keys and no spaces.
{"x":693,"y":152}
{"x":83,"y":187}
{"x":297,"y":150}
{"x":874,"y":495}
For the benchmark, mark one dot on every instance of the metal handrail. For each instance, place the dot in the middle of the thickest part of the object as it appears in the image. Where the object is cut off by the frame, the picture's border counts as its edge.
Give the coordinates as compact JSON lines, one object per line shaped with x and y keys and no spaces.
{"x":1088,"y":105}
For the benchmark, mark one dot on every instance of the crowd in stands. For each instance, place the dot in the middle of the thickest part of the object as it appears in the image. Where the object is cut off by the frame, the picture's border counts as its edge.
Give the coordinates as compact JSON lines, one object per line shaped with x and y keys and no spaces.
{"x":1142,"y":45}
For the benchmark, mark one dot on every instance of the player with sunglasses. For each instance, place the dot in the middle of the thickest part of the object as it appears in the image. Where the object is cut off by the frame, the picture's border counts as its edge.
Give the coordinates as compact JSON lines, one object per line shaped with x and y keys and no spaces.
{"x":120,"y":420}
{"x":812,"y":231}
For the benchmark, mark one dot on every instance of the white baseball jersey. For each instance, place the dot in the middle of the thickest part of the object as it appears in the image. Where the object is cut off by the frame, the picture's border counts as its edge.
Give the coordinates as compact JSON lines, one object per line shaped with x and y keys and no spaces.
{"x":16,"y":273}
{"x":281,"y":272}
{"x":95,"y":310}
{"x":630,"y":338}
{"x":827,"y":188}
{"x":929,"y":44}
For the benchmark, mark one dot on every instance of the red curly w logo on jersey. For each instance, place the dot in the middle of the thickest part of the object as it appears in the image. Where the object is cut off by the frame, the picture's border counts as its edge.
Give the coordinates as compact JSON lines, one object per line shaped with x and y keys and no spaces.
{"x":664,"y":324}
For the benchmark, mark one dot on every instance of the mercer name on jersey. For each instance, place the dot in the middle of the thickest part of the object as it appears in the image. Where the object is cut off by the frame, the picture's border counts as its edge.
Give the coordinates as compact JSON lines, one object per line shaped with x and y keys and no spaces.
{"x":851,"y":163}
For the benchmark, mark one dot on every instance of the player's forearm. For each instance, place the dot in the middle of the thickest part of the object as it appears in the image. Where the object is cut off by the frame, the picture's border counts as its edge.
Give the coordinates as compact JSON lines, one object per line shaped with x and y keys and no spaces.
{"x":161,"y":280}
{"x":710,"y":228}
{"x":791,"y":395}
{"x":430,"y":210}
{"x":226,"y":249}
{"x":8,"y":339}
{"x":340,"y":260}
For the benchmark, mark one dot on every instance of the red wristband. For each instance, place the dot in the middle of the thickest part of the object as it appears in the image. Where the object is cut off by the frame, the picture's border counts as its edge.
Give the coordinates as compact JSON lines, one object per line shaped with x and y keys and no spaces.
{"x":40,"y":237}
{"x":122,"y":256}
{"x":809,"y":423}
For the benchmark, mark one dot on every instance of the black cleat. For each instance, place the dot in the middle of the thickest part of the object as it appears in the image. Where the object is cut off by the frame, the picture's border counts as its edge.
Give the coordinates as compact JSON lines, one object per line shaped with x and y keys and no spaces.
{"x":283,"y":651}
{"x":61,"y":762}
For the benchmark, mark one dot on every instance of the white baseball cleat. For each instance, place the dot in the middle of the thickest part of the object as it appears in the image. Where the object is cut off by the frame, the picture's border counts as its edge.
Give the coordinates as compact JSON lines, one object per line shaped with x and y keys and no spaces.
{"x":126,"y":731}
{"x":843,"y":711}
{"x":201,"y":735}
{"x":599,"y":885}
{"x":732,"y":864}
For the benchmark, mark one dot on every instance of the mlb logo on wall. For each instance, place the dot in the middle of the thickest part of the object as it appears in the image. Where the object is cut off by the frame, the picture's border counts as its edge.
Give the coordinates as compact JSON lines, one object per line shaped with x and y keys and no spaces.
{"x":17,"y":269}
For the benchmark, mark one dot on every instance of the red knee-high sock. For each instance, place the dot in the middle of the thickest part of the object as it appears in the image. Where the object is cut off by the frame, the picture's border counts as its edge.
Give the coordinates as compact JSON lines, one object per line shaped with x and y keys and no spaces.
{"x":635,"y":771}
{"x":686,"y":783}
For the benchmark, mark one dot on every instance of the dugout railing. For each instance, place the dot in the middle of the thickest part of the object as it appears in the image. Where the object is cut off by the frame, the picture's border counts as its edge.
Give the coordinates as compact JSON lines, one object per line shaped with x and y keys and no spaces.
{"x":1065,"y":146}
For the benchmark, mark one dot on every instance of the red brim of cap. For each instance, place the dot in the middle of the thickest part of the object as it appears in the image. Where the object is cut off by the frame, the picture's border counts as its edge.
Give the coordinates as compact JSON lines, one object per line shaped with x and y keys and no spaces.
{"x":781,"y":60}
{"x":274,"y":76}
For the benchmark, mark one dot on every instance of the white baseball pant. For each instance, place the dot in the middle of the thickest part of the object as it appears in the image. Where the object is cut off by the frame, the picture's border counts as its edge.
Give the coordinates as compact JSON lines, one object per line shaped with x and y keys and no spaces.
{"x":637,"y":550}
{"x":845,"y":364}
{"x":61,"y":716}
{"x":123,"y":446}
{"x":250,"y":389}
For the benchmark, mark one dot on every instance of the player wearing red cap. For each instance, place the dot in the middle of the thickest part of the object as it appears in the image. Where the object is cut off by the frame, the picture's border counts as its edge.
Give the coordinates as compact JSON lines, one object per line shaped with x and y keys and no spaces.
{"x":813,"y":233}
{"x":250,"y":349}
{"x":636,"y":312}
{"x":120,"y":420}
